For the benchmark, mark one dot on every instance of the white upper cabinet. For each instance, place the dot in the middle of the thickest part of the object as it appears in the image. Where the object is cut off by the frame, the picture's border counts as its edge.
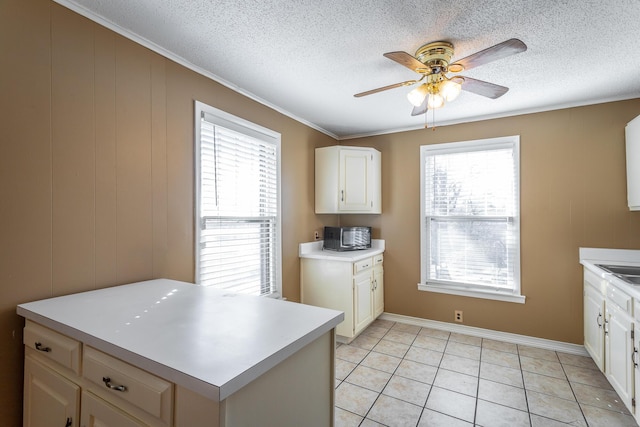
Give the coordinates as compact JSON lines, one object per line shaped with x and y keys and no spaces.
{"x":632,"y":133}
{"x":348,"y":180}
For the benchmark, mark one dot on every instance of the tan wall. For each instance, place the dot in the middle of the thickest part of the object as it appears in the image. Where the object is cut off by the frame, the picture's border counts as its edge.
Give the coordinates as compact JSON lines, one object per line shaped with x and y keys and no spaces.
{"x":573,"y":194}
{"x":96,"y":167}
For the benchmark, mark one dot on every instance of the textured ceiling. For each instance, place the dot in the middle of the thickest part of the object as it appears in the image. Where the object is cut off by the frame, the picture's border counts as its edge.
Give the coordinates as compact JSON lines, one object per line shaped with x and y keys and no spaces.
{"x":307,"y":58}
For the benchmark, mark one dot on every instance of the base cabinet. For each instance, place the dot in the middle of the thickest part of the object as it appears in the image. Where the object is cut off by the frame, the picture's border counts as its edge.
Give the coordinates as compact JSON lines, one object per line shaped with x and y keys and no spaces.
{"x":378,"y":287}
{"x":619,"y":344}
{"x":594,"y":317}
{"x":50,"y":399}
{"x":609,"y":335}
{"x":98,"y":413}
{"x":60,"y":390}
{"x":356,"y":288}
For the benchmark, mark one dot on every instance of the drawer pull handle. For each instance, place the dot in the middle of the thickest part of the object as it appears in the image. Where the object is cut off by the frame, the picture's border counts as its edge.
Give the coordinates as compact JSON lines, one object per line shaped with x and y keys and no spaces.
{"x":107,"y":382}
{"x":39,"y":347}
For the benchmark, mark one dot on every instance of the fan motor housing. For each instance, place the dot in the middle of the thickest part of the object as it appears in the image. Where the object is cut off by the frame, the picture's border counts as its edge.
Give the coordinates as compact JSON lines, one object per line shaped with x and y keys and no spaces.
{"x":436,"y":56}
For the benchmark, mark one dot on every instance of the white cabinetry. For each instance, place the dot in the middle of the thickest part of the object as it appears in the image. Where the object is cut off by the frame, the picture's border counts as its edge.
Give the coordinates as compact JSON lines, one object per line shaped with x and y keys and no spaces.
{"x":594,"y":295}
{"x":632,"y":134}
{"x":609,"y":334}
{"x":91,"y":370}
{"x":356,"y":288}
{"x":636,"y":347}
{"x":378,"y":286}
{"x":347,"y":180}
{"x":50,"y":399}
{"x":57,"y":393}
{"x":98,"y":413}
{"x":619,"y":344}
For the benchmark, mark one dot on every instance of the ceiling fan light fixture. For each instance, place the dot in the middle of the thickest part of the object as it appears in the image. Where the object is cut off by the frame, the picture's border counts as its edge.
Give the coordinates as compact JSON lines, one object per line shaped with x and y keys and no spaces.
{"x":417,"y":96}
{"x":449,"y":90}
{"x":435,"y":101}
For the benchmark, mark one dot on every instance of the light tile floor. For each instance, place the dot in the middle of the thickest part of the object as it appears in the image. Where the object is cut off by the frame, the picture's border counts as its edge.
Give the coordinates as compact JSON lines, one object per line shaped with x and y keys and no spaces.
{"x":396,"y":374}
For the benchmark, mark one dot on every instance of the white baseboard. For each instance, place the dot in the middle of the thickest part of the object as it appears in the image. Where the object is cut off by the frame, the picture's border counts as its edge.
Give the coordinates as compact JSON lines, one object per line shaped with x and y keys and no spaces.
{"x":490,"y":334}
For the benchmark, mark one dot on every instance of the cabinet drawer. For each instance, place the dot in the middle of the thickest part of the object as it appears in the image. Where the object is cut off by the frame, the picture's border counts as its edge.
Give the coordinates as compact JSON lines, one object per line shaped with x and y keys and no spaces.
{"x":361,"y":265}
{"x":53,"y":345}
{"x":142,"y":389}
{"x":619,"y":298}
{"x":636,"y":310}
{"x":377,"y":260}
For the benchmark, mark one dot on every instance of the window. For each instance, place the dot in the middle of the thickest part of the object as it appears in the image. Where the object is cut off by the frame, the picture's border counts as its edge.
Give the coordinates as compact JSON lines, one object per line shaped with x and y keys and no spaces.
{"x":469,"y":209}
{"x":238,"y":244}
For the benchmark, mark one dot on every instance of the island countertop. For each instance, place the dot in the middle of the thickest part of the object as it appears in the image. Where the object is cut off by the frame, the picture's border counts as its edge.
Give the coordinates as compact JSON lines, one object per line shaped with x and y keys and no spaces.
{"x":204,"y":339}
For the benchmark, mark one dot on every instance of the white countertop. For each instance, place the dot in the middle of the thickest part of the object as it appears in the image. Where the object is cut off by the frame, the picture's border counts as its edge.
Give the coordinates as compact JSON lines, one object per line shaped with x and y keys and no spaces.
{"x":314,"y":250}
{"x":590,"y":257}
{"x":204,"y":339}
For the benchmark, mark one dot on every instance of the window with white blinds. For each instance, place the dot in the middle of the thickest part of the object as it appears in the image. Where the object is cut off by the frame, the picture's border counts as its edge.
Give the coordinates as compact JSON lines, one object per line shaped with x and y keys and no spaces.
{"x":470,"y":234}
{"x":238,"y":204}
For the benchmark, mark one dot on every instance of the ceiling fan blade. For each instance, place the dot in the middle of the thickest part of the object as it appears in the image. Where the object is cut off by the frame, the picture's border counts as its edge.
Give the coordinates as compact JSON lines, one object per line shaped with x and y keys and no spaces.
{"x":480,"y":87}
{"x":421,"y":109}
{"x":493,"y":53}
{"x":380,"y":89}
{"x":403,"y":58}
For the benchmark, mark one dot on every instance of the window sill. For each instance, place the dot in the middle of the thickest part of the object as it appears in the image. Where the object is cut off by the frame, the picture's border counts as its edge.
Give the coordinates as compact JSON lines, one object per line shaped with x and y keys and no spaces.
{"x":474,"y":293}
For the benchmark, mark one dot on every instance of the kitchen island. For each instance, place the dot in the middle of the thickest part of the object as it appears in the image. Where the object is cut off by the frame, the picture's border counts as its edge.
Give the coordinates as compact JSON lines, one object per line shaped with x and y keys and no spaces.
{"x":169,"y":353}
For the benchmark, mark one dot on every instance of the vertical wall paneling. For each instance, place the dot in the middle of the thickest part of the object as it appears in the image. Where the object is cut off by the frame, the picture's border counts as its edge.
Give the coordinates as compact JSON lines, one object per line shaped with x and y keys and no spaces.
{"x":180,"y":92}
{"x":105,"y":159}
{"x":73,"y":151}
{"x":134,"y":202}
{"x":25,"y":159}
{"x":25,"y":182}
{"x":159,"y":164}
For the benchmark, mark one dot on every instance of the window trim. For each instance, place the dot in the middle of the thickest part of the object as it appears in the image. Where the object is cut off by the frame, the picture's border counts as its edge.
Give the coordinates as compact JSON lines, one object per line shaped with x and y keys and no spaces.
{"x":241,"y":125}
{"x":510,"y":295}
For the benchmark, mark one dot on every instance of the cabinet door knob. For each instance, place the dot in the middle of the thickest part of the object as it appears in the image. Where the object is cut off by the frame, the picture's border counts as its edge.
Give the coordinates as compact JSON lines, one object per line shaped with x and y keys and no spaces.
{"x":40,"y":347}
{"x":107,"y":382}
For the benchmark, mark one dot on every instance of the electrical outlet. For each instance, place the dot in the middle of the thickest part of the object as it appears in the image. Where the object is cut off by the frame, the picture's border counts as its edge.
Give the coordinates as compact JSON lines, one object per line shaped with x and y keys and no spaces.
{"x":316,"y":235}
{"x":457,"y":315}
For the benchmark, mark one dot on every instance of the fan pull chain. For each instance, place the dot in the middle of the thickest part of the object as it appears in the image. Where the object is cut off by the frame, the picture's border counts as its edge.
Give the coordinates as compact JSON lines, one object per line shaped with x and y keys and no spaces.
{"x":433,"y":117}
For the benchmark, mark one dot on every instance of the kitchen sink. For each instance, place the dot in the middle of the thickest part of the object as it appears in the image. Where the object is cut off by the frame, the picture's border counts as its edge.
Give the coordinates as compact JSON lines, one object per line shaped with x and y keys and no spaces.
{"x":627,"y":273}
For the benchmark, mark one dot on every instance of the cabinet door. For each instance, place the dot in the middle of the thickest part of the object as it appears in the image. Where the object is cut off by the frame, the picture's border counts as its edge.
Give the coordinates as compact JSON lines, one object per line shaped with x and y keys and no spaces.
{"x":636,"y":365}
{"x":50,"y":400}
{"x":355,"y":170}
{"x":618,"y":352}
{"x":98,"y":413}
{"x":378,"y":291}
{"x":593,"y":325}
{"x":363,"y":300}
{"x":632,"y":135}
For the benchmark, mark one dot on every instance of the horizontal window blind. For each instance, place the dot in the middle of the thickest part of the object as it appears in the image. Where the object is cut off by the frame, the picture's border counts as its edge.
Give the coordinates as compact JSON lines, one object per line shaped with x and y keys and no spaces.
{"x":238,"y":215}
{"x":471,"y":216}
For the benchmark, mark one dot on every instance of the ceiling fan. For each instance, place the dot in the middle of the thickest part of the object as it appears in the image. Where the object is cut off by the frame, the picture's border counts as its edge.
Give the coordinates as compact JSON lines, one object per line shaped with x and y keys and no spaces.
{"x":433,"y":62}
